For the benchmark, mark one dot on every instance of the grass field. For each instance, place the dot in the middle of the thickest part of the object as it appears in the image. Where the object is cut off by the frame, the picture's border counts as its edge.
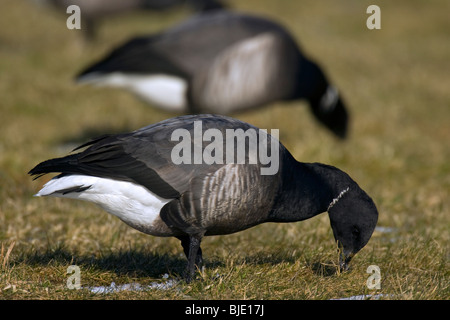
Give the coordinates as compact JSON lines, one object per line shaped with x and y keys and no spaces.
{"x":395,"y":80}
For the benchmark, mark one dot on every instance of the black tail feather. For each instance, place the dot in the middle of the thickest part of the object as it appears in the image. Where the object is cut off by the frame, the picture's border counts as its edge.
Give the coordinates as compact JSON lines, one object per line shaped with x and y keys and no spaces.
{"x":65,"y":164}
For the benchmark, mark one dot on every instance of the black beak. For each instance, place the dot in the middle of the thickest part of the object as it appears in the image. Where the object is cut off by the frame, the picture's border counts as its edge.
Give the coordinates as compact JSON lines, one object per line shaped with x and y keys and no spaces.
{"x":344,"y":261}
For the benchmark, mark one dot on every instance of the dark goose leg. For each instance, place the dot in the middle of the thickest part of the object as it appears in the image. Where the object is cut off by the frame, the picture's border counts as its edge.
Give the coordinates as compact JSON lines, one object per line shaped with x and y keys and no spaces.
{"x":193,"y":252}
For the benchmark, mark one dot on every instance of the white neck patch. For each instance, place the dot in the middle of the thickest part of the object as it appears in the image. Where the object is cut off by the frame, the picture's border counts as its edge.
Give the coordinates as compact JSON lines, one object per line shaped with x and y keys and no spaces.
{"x":335,"y":200}
{"x":329,"y":99}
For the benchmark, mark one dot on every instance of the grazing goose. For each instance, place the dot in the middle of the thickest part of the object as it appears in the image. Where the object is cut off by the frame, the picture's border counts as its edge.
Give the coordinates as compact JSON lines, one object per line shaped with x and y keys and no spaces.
{"x":138,"y":178}
{"x":220,"y":62}
{"x":94,"y":10}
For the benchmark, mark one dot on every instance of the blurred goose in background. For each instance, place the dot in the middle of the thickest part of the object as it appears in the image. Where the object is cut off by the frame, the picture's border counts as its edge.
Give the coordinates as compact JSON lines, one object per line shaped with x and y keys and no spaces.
{"x":220,"y":62}
{"x":92,"y":11}
{"x":134,"y":176}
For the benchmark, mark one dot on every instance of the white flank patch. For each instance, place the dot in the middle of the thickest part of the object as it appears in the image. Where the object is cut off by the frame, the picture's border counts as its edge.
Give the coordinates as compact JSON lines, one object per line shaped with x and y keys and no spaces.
{"x":329,"y":99}
{"x":166,"y":92}
{"x":130,"y":202}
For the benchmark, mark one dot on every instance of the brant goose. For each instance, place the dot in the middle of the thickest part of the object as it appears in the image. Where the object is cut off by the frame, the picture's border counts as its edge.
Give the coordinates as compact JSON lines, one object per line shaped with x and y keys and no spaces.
{"x":135,"y":177}
{"x":220,"y":62}
{"x":94,"y":10}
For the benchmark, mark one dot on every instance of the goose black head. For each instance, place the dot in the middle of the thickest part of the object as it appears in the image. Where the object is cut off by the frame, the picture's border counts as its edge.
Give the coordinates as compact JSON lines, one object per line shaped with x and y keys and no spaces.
{"x":330,"y":110}
{"x":353,"y":217}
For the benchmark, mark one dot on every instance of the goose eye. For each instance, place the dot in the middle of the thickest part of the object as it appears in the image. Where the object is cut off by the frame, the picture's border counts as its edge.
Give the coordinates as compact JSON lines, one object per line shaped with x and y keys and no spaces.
{"x":355,"y":232}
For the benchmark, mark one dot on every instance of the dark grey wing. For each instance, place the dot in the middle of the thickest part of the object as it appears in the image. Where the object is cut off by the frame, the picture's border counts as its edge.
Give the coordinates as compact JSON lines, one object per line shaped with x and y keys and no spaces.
{"x":195,"y":43}
{"x":143,"y":156}
{"x":136,"y":56}
{"x":153,"y":145}
{"x":185,"y":48}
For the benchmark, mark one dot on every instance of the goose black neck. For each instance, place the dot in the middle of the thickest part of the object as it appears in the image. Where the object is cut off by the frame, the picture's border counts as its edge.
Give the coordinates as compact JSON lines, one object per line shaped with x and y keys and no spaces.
{"x":307,"y":189}
{"x":311,"y":82}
